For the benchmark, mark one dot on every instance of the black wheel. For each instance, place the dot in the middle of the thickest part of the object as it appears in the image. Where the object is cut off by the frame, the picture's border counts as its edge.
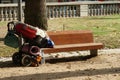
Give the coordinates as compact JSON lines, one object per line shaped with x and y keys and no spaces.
{"x":26,"y":60}
{"x":16,"y":58}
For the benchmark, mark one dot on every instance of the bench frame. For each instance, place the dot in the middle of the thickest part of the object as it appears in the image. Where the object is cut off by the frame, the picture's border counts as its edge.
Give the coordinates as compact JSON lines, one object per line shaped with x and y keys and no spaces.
{"x":84,"y":44}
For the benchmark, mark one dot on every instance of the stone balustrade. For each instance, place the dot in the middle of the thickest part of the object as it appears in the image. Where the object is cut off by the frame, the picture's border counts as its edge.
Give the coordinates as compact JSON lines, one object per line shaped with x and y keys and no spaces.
{"x":9,"y":12}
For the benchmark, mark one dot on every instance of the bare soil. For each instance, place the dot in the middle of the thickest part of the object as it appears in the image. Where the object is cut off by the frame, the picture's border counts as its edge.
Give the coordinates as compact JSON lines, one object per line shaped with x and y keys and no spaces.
{"x":102,"y":67}
{"x":3,"y":31}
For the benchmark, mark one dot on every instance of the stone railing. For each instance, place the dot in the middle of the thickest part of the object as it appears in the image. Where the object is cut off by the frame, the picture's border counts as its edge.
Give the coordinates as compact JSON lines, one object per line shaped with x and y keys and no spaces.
{"x":9,"y":12}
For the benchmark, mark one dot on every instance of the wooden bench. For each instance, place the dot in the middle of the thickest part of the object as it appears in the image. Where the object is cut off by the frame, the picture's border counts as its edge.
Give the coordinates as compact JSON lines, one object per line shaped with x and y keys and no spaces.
{"x":66,"y":41}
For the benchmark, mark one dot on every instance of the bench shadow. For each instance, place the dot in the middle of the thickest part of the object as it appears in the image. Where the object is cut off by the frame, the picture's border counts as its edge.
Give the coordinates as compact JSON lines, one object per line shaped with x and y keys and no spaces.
{"x":7,"y":64}
{"x":65,"y":74}
{"x":69,"y":59}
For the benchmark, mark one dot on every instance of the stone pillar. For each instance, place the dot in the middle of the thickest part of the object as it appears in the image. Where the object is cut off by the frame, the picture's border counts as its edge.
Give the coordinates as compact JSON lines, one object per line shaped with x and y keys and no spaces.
{"x":83,"y":10}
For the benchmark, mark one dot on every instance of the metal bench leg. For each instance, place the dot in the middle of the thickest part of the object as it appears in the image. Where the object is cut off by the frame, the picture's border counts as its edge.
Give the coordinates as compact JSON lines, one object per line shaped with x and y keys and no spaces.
{"x":93,"y":53}
{"x":43,"y":58}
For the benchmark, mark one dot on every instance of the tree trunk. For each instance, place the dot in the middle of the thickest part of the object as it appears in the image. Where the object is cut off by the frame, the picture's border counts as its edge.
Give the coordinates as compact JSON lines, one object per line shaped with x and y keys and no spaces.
{"x":35,"y":13}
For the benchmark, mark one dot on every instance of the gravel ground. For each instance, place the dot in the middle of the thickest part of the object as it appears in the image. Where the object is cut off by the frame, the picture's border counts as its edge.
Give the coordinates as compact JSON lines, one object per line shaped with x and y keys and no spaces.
{"x":103,"y":67}
{"x":70,"y":54}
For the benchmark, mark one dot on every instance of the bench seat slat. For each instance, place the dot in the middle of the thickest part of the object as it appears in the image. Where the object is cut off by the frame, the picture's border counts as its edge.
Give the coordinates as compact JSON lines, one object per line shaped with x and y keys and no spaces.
{"x":73,"y":47}
{"x":71,"y":37}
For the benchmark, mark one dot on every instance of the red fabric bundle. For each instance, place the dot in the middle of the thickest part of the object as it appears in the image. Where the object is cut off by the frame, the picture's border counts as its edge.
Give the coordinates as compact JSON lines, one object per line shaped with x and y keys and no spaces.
{"x":25,"y":30}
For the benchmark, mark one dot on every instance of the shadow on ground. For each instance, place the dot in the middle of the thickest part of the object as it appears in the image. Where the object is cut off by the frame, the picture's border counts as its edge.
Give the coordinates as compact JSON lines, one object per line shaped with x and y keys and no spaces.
{"x":1,"y":39}
{"x":60,"y":75}
{"x":51,"y":61}
{"x":7,"y":64}
{"x":65,"y":74}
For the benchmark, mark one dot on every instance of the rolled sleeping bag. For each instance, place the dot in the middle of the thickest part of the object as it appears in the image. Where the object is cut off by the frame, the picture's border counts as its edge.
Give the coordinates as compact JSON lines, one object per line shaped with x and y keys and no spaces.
{"x":34,"y":50}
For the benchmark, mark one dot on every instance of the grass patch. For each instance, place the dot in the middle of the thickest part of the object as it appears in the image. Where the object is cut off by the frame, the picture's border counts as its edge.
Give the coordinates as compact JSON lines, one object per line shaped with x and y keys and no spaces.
{"x":99,"y":25}
{"x":106,"y":29}
{"x":6,"y":51}
{"x":3,"y":24}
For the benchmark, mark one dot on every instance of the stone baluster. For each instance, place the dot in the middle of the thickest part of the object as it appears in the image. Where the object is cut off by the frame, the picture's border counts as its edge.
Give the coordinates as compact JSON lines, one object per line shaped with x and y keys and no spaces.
{"x":60,"y":12}
{"x":77,"y":11}
{"x":89,"y":10}
{"x":106,"y":9}
{"x":56,"y":12}
{"x":112,"y":10}
{"x":63,"y":15}
{"x":92,"y":12}
{"x":98,"y":11}
{"x":2,"y":15}
{"x":67,"y":12}
{"x":6,"y":14}
{"x":51,"y":11}
{"x":13,"y":15}
{"x":23,"y":14}
{"x":10,"y":13}
{"x":95,"y":12}
{"x":48,"y":12}
{"x":70,"y":12}
{"x":73,"y":11}
{"x":119,"y":10}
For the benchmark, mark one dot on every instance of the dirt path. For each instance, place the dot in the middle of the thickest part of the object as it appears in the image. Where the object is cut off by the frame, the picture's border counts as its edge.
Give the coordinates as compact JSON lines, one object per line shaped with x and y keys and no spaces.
{"x":102,"y":67}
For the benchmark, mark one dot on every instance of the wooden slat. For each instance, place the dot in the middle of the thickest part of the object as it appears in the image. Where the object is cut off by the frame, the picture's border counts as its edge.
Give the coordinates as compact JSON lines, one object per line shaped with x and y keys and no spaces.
{"x":73,"y":47}
{"x":71,"y":37}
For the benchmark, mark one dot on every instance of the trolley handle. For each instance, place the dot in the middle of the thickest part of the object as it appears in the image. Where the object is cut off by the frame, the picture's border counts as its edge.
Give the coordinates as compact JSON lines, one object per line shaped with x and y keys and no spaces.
{"x":11,"y":26}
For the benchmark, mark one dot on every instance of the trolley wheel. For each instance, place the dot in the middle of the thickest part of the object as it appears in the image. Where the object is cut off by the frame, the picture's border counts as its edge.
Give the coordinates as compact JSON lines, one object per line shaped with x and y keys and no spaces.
{"x":26,"y":60}
{"x":35,"y":64}
{"x":16,"y":58}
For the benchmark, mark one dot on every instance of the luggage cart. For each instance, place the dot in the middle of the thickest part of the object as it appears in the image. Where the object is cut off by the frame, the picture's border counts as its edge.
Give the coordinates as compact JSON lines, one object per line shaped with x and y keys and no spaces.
{"x":27,"y":54}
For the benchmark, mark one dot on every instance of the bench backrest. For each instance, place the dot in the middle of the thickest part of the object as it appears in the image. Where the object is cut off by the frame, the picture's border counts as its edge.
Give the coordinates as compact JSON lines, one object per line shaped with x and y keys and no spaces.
{"x":71,"y":37}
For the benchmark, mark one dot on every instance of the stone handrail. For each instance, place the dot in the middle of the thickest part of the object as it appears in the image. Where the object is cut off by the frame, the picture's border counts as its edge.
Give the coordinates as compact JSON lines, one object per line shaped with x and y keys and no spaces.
{"x":9,"y":12}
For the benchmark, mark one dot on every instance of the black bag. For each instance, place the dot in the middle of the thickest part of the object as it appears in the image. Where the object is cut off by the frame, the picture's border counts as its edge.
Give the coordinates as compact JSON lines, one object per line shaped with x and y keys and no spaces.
{"x":41,"y":42}
{"x":11,"y":40}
